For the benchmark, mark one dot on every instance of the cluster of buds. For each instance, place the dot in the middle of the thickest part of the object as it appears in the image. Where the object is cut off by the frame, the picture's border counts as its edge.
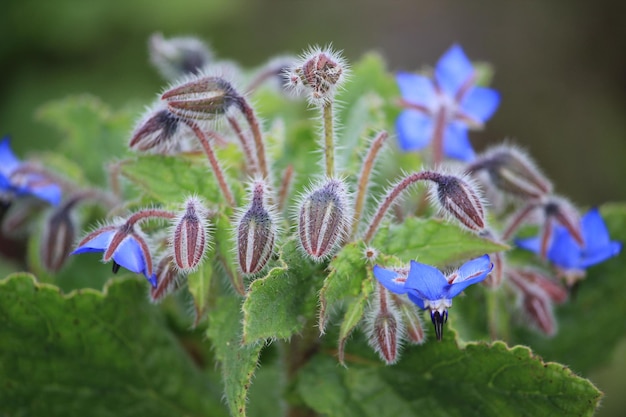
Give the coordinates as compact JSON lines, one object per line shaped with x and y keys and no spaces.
{"x":319,"y":73}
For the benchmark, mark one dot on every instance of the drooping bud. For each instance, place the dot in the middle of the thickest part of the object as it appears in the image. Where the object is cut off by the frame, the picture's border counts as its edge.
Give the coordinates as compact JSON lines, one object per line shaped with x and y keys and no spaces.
{"x":190,"y":236}
{"x":512,"y":171}
{"x":156,"y":131}
{"x":459,"y":198}
{"x":167,"y":275}
{"x":320,"y":72}
{"x":256,"y":231}
{"x":412,"y":321}
{"x":384,"y":326}
{"x":324,"y":219}
{"x":201,"y":98}
{"x":179,"y":56}
{"x":58,"y":237}
{"x":19,"y":215}
{"x":564,"y":213}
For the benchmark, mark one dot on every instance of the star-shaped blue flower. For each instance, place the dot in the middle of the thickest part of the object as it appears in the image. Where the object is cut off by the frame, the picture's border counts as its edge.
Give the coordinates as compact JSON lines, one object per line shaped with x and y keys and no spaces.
{"x":14,"y":182}
{"x":443,"y":109}
{"x":571,"y":257}
{"x":430,"y":289}
{"x":126,"y":249}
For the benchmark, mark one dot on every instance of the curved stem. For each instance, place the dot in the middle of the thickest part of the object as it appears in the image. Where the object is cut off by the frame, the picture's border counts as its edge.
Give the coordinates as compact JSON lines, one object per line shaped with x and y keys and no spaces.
{"x":245,"y":145}
{"x":517,"y":220}
{"x":252,"y":120}
{"x":284,"y":186}
{"x":149,"y":214}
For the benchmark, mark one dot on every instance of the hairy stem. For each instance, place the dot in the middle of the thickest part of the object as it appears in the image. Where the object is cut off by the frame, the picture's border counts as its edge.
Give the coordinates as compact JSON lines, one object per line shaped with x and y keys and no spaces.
{"x":252,"y":120}
{"x":329,"y":139}
{"x":245,"y":145}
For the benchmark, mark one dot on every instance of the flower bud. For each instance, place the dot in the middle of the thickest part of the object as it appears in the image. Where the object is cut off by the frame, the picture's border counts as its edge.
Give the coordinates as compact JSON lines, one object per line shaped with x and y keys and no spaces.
{"x":512,"y":171}
{"x":179,"y":56}
{"x":58,"y":238}
{"x":319,"y":73}
{"x":566,"y":215}
{"x":166,"y":275}
{"x":203,"y":97}
{"x":459,"y":198}
{"x":384,"y":327}
{"x":324,"y":219}
{"x":537,"y":298}
{"x":256,"y":232}
{"x":190,"y":236}
{"x":156,"y":131}
{"x":412,"y":321}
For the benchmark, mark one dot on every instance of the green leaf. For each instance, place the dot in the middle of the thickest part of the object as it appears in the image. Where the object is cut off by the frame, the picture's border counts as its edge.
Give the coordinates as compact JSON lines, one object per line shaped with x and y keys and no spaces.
{"x":94,"y":354}
{"x":238,"y":361}
{"x":590,"y":324}
{"x":91,"y":132}
{"x":281,"y":303}
{"x":442,"y":379}
{"x":432,"y":242}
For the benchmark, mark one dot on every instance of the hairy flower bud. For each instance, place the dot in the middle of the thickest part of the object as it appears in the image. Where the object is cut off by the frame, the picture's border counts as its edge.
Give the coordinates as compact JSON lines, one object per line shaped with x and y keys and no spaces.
{"x":203,"y":97}
{"x":412,"y":321}
{"x":156,"y":131}
{"x":167,"y":275}
{"x":512,"y":171}
{"x":384,"y":326}
{"x":57,"y":239}
{"x":179,"y":56}
{"x":256,"y":231}
{"x":459,"y":198}
{"x":324,"y":219}
{"x":190,"y":236}
{"x":319,"y":72}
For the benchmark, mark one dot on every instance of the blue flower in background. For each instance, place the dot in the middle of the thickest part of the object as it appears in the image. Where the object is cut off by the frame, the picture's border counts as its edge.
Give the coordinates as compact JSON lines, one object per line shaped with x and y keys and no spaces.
{"x":430,"y":289}
{"x":443,"y":109}
{"x":571,"y":257}
{"x":17,"y":179}
{"x":126,"y":248}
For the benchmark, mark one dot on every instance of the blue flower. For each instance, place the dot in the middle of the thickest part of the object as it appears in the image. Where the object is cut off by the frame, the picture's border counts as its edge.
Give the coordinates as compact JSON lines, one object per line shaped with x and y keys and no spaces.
{"x":430,"y":289}
{"x":568,"y":255}
{"x":16,"y":178}
{"x":442,"y":110}
{"x":126,"y":248}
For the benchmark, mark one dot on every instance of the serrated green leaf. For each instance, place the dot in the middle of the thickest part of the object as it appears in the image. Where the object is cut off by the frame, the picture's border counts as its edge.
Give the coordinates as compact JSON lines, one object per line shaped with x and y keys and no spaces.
{"x":91,"y":132}
{"x":238,"y":362}
{"x":591,"y":323}
{"x":94,"y":354}
{"x":441,"y":379}
{"x":199,"y":284}
{"x":432,"y":242}
{"x":281,"y":303}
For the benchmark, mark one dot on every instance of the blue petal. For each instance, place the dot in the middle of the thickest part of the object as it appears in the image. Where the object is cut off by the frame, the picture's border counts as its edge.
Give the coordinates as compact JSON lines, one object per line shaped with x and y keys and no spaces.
{"x":564,"y":251}
{"x":456,"y":143}
{"x":532,"y":244}
{"x":426,"y":280}
{"x":51,"y":193}
{"x":99,"y":243}
{"x":416,"y":89}
{"x":8,"y":160}
{"x":600,"y":255}
{"x":453,"y":70}
{"x":475,"y":268}
{"x":130,"y":256}
{"x":480,"y":103}
{"x":152,"y":280}
{"x":386,"y":278}
{"x":413,"y":296}
{"x":415,"y":130}
{"x":594,"y":230}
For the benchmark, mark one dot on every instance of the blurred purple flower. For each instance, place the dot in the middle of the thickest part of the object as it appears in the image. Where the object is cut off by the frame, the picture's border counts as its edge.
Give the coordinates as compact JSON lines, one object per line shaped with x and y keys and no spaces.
{"x":443,"y":109}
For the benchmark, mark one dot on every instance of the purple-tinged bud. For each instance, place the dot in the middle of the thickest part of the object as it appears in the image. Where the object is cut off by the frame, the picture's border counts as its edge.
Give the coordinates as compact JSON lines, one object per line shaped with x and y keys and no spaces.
{"x":412,"y":321}
{"x":535,"y":281}
{"x":166,"y":275}
{"x":566,"y":215}
{"x":190,"y":236}
{"x":513,"y":171}
{"x":58,"y":236}
{"x":179,"y":56}
{"x":256,"y":232}
{"x":536,"y":299}
{"x":384,"y":327}
{"x":20,"y":215}
{"x":158,"y":130}
{"x":539,"y":310}
{"x":459,"y":198}
{"x":201,"y":98}
{"x":324,"y":219}
{"x":320,"y":72}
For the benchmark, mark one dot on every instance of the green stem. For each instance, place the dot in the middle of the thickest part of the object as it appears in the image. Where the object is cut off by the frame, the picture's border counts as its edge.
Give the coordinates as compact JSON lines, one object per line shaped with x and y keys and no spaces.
{"x":329,"y":140}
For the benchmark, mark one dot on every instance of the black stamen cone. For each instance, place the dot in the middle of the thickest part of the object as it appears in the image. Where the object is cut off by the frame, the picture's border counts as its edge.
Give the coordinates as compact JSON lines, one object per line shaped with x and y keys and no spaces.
{"x":116,"y":267}
{"x":439,"y":320}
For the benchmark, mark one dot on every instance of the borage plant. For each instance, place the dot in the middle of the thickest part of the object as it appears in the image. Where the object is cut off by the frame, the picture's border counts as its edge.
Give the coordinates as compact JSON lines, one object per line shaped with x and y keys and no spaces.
{"x":276,"y":203}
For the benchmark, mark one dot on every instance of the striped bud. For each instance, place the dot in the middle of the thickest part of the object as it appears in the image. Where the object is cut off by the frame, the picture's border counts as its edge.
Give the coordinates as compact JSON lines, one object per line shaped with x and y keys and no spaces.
{"x":319,"y":72}
{"x":156,"y":131}
{"x":384,"y":326}
{"x":190,"y":236}
{"x":166,"y":274}
{"x":512,"y":171}
{"x":324,"y":219}
{"x":412,"y":321}
{"x":201,"y":98}
{"x":58,"y":237}
{"x":256,"y":232}
{"x":538,"y":295}
{"x":460,"y":199}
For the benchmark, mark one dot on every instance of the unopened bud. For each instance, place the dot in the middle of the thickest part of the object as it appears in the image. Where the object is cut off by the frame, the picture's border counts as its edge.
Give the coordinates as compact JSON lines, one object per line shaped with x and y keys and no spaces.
{"x":166,"y":275}
{"x":539,"y":310}
{"x":412,"y":321}
{"x":459,"y":198}
{"x":58,"y":238}
{"x":537,"y":298}
{"x":190,"y":236}
{"x":512,"y":171}
{"x":320,"y":72}
{"x":324,"y":219}
{"x":179,"y":56}
{"x":202,"y":98}
{"x":566,"y":215}
{"x":384,"y":327}
{"x":256,"y":232}
{"x":156,"y":131}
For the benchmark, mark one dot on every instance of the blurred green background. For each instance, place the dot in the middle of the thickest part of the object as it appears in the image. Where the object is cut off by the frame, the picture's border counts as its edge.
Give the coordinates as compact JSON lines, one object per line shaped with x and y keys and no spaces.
{"x":559,"y":65}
